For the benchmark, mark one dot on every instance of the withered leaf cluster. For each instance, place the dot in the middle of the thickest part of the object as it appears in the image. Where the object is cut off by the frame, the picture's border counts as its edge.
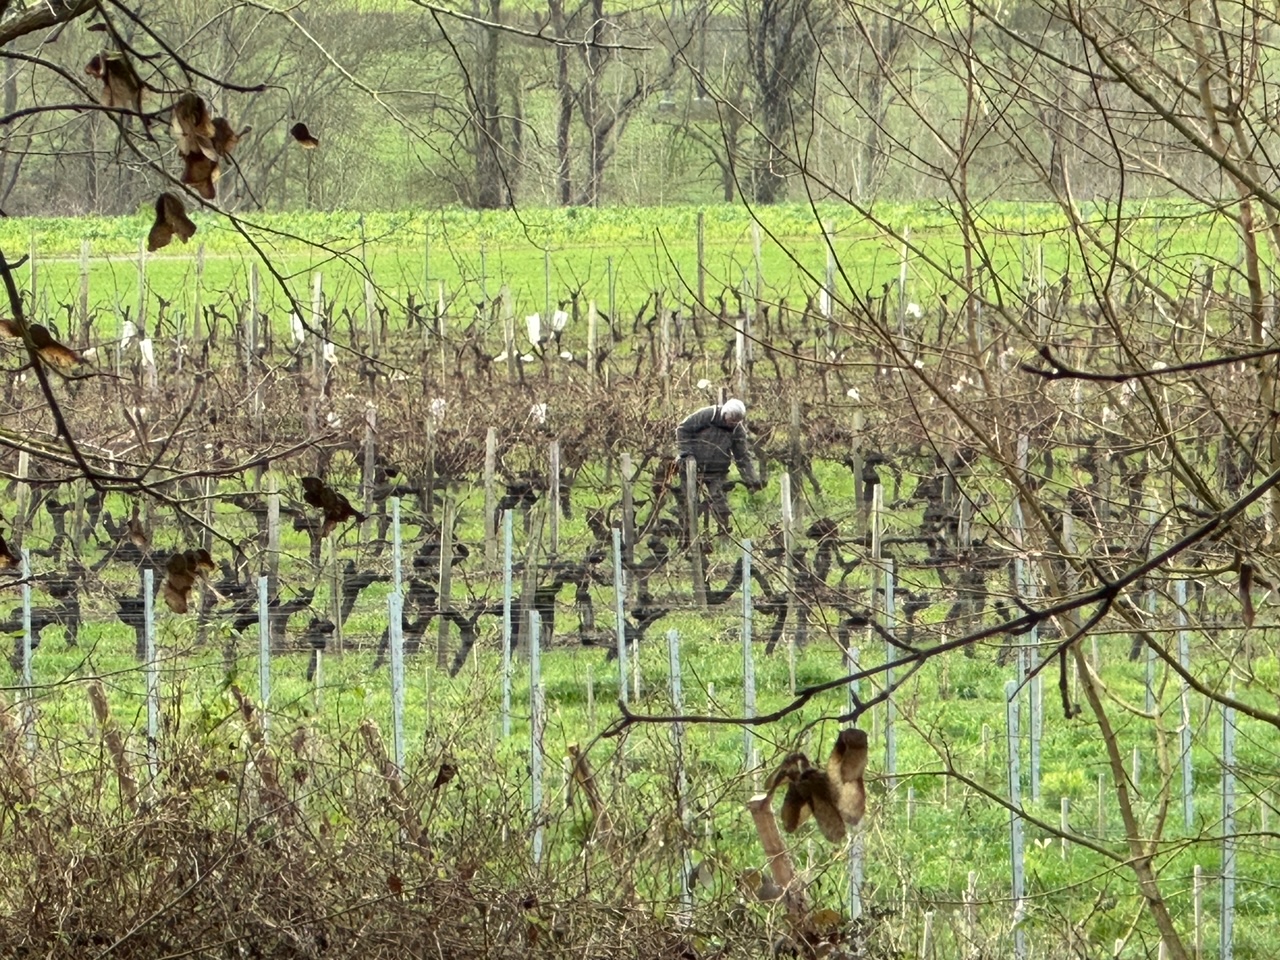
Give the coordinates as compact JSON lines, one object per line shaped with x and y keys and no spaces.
{"x":181,"y":571}
{"x":121,"y":88}
{"x":203,"y":141}
{"x":49,"y":349}
{"x":171,"y":221}
{"x":8,"y":559}
{"x":833,"y":797}
{"x":335,"y":507}
{"x":136,"y":530}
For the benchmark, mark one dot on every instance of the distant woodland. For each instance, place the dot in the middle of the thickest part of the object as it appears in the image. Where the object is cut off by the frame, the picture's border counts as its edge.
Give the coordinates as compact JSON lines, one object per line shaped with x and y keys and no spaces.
{"x":596,"y":102}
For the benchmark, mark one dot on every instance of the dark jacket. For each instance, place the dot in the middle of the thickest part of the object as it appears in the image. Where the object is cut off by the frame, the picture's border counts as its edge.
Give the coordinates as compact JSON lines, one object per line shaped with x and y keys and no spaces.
{"x":704,"y":436}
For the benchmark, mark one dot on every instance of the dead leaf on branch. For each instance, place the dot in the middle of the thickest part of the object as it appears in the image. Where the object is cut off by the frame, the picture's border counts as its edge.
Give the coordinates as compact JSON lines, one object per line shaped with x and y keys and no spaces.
{"x":809,"y":792}
{"x":8,"y":559}
{"x":833,"y":797}
{"x":192,"y":127}
{"x":336,"y":506}
{"x":121,"y":86}
{"x":180,"y":574}
{"x":1246,"y":594}
{"x":203,"y":141}
{"x":171,"y":221}
{"x":225,"y":139}
{"x":200,"y":174}
{"x":138,"y":534}
{"x":49,"y":350}
{"x":300,"y":133}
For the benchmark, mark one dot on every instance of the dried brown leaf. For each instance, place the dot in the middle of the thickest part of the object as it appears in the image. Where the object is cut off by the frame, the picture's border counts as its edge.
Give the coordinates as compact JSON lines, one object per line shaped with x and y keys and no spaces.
{"x":1246,"y":594}
{"x":171,"y":221}
{"x":304,"y":136}
{"x":192,"y":126}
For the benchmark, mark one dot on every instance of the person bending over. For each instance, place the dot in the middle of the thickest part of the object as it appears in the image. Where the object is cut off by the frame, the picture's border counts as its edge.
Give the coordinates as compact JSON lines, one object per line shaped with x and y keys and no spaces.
{"x":715,"y":438}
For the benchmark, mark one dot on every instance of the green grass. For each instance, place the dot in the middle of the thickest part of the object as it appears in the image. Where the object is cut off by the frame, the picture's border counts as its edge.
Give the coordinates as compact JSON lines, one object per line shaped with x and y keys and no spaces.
{"x":615,"y":255}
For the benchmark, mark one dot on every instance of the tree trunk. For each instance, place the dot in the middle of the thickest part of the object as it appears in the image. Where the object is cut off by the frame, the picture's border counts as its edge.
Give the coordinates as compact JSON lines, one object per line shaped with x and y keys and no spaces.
{"x":490,"y":184}
{"x":564,"y":121}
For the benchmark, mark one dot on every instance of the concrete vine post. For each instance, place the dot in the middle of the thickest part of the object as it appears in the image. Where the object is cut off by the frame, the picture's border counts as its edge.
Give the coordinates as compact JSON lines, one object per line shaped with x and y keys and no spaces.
{"x":620,"y":617}
{"x":748,"y":661}
{"x":264,"y":656}
{"x":152,"y":671}
{"x":28,"y":683}
{"x":506,"y":623}
{"x":537,"y":715}
{"x":1017,"y":863}
{"x":682,"y":786}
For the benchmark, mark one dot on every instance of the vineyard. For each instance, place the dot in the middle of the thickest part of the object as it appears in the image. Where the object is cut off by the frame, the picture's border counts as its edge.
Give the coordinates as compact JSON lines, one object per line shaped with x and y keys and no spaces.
{"x":518,"y":699}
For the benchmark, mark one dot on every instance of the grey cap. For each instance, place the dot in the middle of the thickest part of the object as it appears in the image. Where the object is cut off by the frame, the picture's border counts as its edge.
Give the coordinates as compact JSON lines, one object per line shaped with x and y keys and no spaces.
{"x":733,"y":410}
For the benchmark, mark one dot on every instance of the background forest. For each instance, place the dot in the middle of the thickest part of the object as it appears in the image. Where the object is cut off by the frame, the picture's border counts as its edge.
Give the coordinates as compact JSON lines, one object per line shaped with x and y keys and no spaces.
{"x":641,"y":103}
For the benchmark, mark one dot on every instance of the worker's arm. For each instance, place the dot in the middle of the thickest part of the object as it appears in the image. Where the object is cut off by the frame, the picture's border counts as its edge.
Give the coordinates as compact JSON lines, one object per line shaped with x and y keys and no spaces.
{"x":742,"y":456}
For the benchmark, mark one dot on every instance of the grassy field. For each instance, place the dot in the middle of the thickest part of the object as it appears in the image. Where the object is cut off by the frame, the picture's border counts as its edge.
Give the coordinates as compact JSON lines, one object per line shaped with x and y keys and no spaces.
{"x":617,"y":256}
